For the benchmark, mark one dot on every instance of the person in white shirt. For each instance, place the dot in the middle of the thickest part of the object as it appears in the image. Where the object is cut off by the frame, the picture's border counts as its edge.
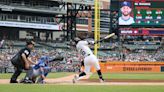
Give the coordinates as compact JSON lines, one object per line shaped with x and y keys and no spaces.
{"x":1,"y":43}
{"x":125,"y":18}
{"x":89,"y":59}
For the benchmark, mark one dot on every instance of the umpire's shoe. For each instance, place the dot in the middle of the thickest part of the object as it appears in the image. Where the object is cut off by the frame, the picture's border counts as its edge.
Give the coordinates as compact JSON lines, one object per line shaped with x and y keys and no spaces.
{"x":13,"y":81}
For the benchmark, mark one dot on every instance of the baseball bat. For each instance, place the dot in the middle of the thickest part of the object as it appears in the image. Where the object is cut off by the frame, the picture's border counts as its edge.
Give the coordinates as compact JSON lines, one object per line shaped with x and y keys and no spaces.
{"x":106,"y":37}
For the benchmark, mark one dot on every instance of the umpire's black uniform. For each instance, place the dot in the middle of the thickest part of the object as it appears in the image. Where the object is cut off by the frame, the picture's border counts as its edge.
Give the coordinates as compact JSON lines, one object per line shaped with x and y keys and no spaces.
{"x":19,"y":63}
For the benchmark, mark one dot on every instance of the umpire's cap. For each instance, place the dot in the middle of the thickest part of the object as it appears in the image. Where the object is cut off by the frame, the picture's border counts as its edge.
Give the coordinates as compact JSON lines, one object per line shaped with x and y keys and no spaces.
{"x":30,"y":42}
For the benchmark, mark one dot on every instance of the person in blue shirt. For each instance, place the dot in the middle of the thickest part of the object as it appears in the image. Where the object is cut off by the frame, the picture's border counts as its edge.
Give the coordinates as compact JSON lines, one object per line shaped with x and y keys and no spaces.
{"x":41,"y":69}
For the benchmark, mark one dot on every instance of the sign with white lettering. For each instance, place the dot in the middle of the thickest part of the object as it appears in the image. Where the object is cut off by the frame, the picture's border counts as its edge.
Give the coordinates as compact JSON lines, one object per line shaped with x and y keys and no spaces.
{"x":30,"y":25}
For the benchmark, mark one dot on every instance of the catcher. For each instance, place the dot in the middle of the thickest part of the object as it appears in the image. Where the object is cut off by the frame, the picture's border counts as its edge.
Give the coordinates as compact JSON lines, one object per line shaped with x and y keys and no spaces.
{"x":41,"y":69}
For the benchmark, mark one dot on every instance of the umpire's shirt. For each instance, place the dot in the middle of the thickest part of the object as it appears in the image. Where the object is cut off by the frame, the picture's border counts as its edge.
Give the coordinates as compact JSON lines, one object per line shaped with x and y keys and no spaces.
{"x":17,"y":60}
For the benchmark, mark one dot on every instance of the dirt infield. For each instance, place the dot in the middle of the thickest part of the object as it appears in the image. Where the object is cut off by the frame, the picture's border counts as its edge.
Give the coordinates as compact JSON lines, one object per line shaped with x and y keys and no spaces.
{"x":85,"y":81}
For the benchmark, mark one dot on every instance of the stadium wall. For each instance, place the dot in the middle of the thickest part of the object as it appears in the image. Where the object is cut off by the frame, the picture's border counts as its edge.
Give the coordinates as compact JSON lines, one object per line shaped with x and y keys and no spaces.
{"x":132,"y":67}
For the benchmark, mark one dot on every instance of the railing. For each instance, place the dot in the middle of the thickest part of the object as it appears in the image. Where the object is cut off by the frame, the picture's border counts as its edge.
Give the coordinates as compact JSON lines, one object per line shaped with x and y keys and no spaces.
{"x":28,"y":19}
{"x":43,"y":9}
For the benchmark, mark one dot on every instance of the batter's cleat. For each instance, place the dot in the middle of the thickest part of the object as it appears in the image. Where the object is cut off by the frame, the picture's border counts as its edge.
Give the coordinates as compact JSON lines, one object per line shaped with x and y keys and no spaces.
{"x":101,"y":80}
{"x":74,"y":80}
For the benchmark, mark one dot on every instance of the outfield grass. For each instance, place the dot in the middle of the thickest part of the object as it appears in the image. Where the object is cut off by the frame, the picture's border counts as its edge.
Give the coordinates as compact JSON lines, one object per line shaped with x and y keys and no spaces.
{"x":51,"y":75}
{"x":78,"y":88}
{"x":144,"y":76}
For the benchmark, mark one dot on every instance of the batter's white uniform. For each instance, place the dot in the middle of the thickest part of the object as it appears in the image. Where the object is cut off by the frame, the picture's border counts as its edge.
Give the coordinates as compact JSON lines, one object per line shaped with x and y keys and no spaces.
{"x":89,"y":58}
{"x":126,"y":22}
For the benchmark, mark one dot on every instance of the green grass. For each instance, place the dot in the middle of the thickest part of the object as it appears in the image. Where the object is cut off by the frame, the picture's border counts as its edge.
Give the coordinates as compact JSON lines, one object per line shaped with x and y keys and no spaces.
{"x":59,"y":74}
{"x":51,"y":75}
{"x":86,"y":88}
{"x":154,"y":76}
{"x":78,"y":88}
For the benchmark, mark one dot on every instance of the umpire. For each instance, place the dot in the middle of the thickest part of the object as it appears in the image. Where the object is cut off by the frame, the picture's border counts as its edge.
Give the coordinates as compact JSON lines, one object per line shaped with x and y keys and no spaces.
{"x":21,"y":61}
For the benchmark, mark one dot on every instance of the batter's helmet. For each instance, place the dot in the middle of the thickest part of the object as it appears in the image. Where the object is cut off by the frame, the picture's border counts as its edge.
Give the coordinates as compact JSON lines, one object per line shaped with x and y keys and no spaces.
{"x":76,"y":39}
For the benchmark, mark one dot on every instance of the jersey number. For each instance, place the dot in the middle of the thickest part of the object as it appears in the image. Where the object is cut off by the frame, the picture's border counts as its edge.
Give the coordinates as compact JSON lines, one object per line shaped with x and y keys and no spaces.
{"x":82,"y":52}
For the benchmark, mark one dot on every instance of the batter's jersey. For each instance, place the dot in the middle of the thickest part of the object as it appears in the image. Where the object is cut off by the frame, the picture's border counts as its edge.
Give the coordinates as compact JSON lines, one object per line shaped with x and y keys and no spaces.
{"x":126,"y":22}
{"x":83,"y":48}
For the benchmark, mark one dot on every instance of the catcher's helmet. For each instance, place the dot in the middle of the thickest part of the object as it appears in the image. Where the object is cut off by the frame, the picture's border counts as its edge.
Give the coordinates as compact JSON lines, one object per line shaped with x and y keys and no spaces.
{"x":45,"y":58}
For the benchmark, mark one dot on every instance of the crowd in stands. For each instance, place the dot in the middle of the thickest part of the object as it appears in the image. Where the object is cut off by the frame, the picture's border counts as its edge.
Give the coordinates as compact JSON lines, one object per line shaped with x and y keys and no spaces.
{"x":143,"y":56}
{"x":71,"y":62}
